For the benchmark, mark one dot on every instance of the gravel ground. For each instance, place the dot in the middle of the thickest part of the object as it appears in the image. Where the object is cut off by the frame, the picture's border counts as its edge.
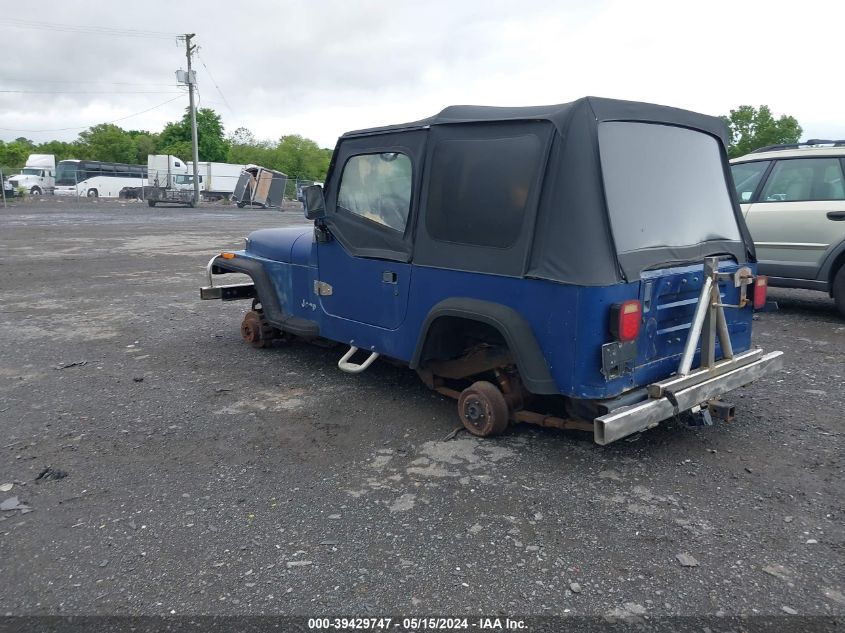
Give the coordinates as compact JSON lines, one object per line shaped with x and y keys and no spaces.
{"x":204,"y":476}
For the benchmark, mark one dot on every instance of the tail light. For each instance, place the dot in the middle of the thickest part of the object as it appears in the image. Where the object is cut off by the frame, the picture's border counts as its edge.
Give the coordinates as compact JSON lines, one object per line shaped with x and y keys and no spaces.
{"x":625,"y":320}
{"x":761,"y":289}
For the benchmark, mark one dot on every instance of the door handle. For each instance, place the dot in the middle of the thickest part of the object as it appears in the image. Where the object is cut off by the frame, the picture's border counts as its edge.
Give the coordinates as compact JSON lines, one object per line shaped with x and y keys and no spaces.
{"x":388,"y":277}
{"x":836,"y":215}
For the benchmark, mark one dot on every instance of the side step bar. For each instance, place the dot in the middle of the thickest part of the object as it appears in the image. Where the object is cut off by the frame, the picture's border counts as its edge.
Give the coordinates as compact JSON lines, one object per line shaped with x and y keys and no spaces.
{"x":354,"y":368}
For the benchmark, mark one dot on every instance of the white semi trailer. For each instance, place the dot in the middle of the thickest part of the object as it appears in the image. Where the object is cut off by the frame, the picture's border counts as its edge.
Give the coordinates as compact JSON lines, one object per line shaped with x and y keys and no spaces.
{"x":217,"y":180}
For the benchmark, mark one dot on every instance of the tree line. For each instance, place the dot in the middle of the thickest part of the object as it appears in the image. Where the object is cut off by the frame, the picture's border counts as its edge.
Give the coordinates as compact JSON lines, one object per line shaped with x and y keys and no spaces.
{"x":296,"y":156}
{"x":749,"y":128}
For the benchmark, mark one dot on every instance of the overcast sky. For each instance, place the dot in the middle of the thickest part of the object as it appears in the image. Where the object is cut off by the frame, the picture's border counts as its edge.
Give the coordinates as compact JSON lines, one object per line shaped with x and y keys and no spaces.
{"x":322,"y":67}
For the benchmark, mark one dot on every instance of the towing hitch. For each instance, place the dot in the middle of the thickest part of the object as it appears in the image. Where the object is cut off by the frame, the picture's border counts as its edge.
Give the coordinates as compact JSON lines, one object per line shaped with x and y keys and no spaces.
{"x":703,"y":415}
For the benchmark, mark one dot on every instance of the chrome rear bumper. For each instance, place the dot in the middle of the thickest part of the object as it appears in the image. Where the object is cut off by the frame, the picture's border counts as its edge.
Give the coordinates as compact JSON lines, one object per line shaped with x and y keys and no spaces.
{"x":688,"y":391}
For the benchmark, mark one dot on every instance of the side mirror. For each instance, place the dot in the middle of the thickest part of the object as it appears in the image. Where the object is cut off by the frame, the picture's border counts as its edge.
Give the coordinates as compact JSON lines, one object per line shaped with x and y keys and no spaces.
{"x":314,"y":202}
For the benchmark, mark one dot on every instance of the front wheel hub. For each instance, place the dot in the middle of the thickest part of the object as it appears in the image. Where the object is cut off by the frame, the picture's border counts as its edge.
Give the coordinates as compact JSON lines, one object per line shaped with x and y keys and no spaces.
{"x":474,"y":411}
{"x":256,"y":331}
{"x":483,"y":409}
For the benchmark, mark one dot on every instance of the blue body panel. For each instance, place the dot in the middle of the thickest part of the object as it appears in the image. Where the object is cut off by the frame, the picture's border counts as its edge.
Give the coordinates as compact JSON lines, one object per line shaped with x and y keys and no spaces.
{"x":382,"y":305}
{"x":371,"y":291}
{"x":278,"y":244}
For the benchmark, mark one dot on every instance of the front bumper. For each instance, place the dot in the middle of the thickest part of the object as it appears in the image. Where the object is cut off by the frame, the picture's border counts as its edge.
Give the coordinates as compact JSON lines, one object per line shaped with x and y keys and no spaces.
{"x":677,"y":395}
{"x":231,"y":292}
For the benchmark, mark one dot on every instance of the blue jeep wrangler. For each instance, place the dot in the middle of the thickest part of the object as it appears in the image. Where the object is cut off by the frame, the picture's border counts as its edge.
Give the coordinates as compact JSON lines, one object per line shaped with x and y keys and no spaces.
{"x":581,"y":266}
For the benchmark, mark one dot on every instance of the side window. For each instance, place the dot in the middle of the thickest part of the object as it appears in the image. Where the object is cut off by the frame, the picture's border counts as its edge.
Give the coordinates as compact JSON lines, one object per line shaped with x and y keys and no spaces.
{"x":479,"y":188}
{"x":746,"y":178}
{"x":804,"y":179}
{"x":832,"y":186}
{"x":377,"y":187}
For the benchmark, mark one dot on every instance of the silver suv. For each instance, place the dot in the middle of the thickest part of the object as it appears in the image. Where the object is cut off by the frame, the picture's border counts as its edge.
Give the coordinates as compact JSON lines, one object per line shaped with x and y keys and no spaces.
{"x":793,"y":198}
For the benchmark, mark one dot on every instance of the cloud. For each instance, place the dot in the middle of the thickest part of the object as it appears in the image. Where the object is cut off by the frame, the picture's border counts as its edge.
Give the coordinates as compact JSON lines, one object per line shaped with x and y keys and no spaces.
{"x":323,"y":67}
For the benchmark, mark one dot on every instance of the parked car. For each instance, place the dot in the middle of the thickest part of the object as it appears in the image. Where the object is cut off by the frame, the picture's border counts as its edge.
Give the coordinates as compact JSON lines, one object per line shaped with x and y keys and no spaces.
{"x":793,"y":199}
{"x":537,"y":264}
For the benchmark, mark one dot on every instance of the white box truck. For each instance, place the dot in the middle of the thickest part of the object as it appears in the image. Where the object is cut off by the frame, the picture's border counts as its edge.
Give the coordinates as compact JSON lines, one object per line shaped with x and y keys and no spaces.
{"x":38,"y":176}
{"x":217,"y":180}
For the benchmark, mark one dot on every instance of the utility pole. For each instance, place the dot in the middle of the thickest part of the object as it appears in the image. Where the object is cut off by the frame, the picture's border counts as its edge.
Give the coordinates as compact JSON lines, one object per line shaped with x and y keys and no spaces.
{"x":189,"y":49}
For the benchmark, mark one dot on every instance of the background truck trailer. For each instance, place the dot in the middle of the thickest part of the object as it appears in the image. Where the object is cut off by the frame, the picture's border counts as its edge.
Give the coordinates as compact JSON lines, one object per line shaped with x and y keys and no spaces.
{"x":169,"y":181}
{"x":217,"y":180}
{"x":260,"y":187}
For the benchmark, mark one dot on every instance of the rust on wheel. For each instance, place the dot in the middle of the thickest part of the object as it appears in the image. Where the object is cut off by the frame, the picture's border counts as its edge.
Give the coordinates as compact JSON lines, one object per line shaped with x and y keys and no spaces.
{"x":256,"y":331}
{"x":483,"y":409}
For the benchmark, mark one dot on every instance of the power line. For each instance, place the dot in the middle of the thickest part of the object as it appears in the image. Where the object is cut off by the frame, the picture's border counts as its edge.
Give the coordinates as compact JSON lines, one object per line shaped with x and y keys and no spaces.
{"x":89,"y":92}
{"x":87,"y":29}
{"x":75,"y":81}
{"x":83,"y":127}
{"x":220,"y":92}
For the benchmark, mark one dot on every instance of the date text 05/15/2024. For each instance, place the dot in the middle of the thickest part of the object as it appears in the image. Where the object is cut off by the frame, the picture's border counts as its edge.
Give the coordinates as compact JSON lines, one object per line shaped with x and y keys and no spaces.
{"x":417,"y":624}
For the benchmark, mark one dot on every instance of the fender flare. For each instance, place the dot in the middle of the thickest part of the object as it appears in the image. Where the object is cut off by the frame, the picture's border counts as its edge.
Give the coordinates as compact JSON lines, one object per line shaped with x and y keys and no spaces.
{"x":523,"y":346}
{"x":826,"y":271}
{"x":267,"y":295}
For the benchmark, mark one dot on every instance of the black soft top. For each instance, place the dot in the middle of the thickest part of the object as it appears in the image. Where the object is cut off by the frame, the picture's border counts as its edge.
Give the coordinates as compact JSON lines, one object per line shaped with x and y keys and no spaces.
{"x":562,"y":113}
{"x":567,"y":234}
